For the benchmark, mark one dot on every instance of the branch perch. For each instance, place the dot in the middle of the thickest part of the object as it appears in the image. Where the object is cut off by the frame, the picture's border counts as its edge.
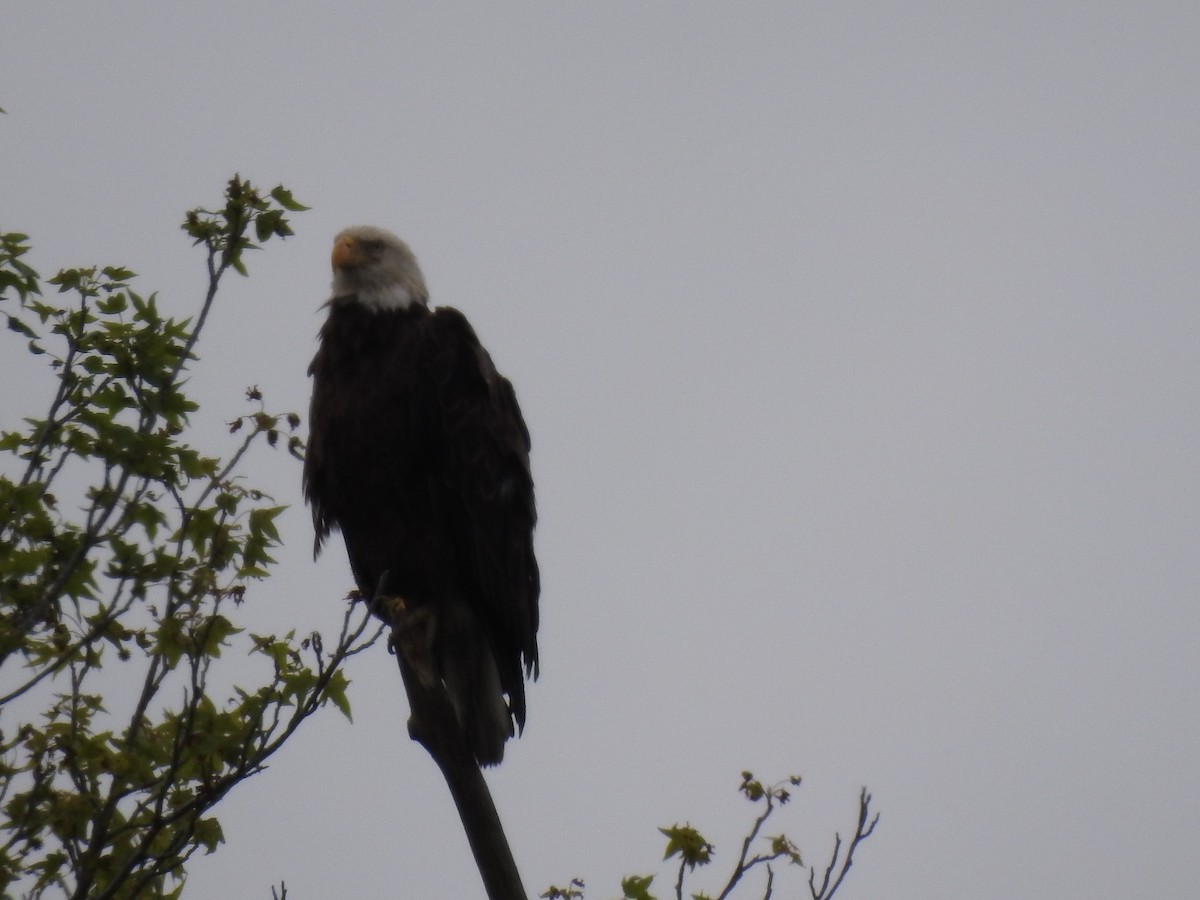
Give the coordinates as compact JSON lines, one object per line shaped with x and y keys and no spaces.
{"x":434,"y":725}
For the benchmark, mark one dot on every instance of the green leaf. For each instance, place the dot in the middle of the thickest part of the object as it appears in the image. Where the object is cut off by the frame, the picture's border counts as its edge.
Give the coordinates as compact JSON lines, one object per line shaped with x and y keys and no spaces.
{"x":284,"y":198}
{"x":170,"y":641}
{"x":209,"y":834}
{"x":637,"y":887}
{"x":118,"y":273}
{"x":15,"y":324}
{"x":113,"y":305}
{"x":336,"y":692}
{"x":264,"y":224}
{"x":216,"y":634}
{"x":691,"y":846}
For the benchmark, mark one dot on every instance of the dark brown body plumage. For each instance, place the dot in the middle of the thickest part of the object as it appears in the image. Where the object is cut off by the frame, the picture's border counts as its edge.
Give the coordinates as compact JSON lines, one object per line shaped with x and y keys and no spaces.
{"x":418,"y":453}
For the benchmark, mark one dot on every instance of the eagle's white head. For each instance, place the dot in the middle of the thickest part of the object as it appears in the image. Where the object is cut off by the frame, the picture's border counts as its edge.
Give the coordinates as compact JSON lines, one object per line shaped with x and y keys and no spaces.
{"x":378,"y":268}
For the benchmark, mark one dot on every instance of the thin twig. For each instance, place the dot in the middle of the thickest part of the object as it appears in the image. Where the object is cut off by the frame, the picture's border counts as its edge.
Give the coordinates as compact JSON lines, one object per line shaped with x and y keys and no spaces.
{"x":861,"y":832}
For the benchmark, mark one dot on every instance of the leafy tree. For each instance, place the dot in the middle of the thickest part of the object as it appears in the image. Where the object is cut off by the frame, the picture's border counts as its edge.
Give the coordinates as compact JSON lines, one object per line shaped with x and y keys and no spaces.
{"x":125,"y":555}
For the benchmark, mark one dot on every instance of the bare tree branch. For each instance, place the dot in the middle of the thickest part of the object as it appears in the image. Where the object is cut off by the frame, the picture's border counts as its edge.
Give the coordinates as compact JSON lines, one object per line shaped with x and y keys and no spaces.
{"x":861,"y":832}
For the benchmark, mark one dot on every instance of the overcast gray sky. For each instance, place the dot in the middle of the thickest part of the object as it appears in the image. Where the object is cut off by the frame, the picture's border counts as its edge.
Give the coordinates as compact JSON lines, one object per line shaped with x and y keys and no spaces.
{"x":860,"y":345}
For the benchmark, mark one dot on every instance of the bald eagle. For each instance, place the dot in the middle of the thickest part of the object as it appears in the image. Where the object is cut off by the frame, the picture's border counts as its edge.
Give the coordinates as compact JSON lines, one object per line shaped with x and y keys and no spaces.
{"x":419,"y":455}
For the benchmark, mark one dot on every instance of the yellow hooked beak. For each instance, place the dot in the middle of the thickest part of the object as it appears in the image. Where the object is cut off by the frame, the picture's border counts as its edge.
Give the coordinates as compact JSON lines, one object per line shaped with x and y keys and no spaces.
{"x":347,"y":253}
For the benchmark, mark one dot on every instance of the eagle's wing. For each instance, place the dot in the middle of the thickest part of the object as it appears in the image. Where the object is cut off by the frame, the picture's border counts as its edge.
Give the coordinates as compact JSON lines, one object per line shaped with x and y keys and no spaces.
{"x":482,"y":454}
{"x":316,"y":474}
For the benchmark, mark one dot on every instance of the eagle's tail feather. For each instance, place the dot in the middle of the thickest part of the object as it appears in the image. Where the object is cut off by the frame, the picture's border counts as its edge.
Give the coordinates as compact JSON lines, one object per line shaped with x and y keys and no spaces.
{"x":472,"y":679}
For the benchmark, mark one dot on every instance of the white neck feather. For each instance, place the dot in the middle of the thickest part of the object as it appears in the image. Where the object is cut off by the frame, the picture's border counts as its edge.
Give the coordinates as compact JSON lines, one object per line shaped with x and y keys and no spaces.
{"x":383,"y":299}
{"x":391,"y":295}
